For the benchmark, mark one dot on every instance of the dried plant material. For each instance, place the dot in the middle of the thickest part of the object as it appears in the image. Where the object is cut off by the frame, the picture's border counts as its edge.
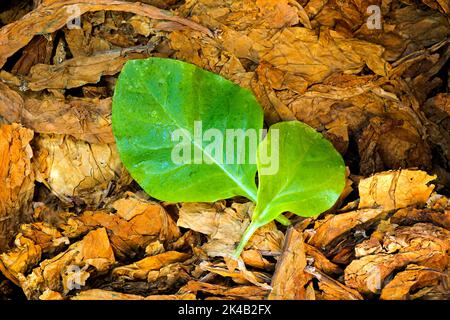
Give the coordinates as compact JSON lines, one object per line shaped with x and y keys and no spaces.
{"x":321,"y":262}
{"x":98,"y":294}
{"x":140,"y":269}
{"x":240,"y":276}
{"x":240,"y":292}
{"x":17,"y":178}
{"x":339,"y":225}
{"x":388,"y":143}
{"x":407,"y":30}
{"x":53,"y":15}
{"x":20,"y":259}
{"x":93,"y":254}
{"x":170,"y":277}
{"x":395,"y":189}
{"x":422,"y":244}
{"x":225,"y":226}
{"x":83,"y":118}
{"x":402,"y":286}
{"x":51,"y":295}
{"x":290,"y":279}
{"x":39,"y":50}
{"x":76,"y":169}
{"x":254,"y":258}
{"x":134,"y":226}
{"x":332,"y":289}
{"x":79,"y":71}
{"x":409,"y":216}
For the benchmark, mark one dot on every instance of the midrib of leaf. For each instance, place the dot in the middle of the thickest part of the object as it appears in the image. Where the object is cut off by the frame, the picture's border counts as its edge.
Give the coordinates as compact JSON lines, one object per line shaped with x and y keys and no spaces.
{"x":250,"y":193}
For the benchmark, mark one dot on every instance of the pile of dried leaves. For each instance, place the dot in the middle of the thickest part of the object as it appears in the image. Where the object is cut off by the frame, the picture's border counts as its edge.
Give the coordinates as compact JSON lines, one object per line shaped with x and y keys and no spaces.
{"x":73,"y":224}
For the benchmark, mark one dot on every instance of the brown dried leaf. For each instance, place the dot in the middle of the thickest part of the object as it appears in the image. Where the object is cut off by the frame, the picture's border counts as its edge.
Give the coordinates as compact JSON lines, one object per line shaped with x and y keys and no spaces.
{"x":332,"y":289}
{"x":240,"y":292}
{"x":409,"y":216}
{"x":76,"y":169}
{"x":395,"y":189}
{"x":85,"y":119}
{"x":140,"y":269}
{"x":422,"y":244}
{"x":134,"y":226}
{"x":73,"y":266}
{"x":17,"y":179}
{"x":79,"y":71}
{"x":53,"y":15}
{"x":412,"y":279}
{"x":336,"y":226}
{"x":290,"y":279}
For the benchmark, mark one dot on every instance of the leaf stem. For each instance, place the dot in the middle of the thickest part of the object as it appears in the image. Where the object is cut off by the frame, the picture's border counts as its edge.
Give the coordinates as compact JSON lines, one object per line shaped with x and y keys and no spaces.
{"x":283,"y":220}
{"x":245,"y":237}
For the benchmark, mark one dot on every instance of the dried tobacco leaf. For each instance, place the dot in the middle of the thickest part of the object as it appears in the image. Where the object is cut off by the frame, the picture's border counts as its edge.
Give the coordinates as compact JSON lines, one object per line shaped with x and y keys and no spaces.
{"x":17,"y":176}
{"x":290,"y":279}
{"x":53,"y":15}
{"x":75,"y":169}
{"x":83,"y":118}
{"x":395,"y":189}
{"x":93,"y":254}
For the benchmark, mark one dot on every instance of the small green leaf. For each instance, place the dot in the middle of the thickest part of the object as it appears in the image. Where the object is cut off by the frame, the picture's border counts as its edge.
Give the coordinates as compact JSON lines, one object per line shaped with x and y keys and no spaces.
{"x":156,"y":97}
{"x":309,"y":179}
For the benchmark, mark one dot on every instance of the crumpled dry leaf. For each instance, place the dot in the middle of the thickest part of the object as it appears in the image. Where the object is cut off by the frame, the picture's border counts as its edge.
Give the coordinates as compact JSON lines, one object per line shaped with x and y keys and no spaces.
{"x":139,"y":270}
{"x":79,"y":71}
{"x":335,"y":227}
{"x":401,"y":287}
{"x":395,"y":189}
{"x":290,"y":279}
{"x":20,"y":259}
{"x":93,"y":254}
{"x":135,"y":224}
{"x":98,"y":294}
{"x":239,"y":292}
{"x":83,"y":118}
{"x":421,"y":244}
{"x":225,"y":226}
{"x":52,"y":15}
{"x":332,"y":289}
{"x":75,"y":169}
{"x":409,"y":216}
{"x":17,"y":179}
{"x":406,"y":30}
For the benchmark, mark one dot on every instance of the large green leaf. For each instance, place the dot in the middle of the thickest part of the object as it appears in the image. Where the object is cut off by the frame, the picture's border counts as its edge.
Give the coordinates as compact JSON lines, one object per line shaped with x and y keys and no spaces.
{"x":309,"y":179}
{"x":155,"y":97}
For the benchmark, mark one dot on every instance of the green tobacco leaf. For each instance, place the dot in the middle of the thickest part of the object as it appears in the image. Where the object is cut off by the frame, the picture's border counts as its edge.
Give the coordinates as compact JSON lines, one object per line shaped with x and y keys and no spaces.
{"x":309,"y":179}
{"x":157,"y":98}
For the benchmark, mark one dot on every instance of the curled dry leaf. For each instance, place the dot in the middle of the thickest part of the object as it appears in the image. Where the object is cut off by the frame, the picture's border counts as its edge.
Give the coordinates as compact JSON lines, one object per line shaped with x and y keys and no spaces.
{"x":290,"y":279}
{"x":83,"y":118}
{"x":395,"y":189}
{"x":93,"y":254}
{"x":76,"y":169}
{"x":239,"y":292}
{"x":422,"y":244}
{"x":98,"y":294}
{"x":53,"y":15}
{"x":140,"y":269}
{"x":134,"y":225}
{"x":79,"y":71}
{"x":414,"y":278}
{"x":17,"y":179}
{"x":331,"y":289}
